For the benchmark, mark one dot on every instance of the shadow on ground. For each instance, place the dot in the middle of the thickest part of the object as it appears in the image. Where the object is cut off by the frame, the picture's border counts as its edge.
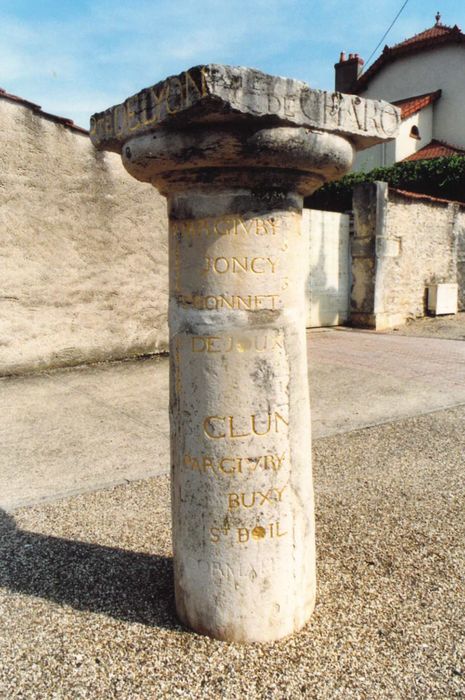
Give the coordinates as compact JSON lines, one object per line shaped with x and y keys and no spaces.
{"x":125,"y":585}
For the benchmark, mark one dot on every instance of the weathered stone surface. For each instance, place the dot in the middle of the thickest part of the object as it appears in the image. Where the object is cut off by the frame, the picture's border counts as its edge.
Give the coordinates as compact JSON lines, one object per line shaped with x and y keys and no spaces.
{"x":83,"y":255}
{"x":393,"y":260}
{"x":235,"y":151}
{"x":212,"y":93}
{"x":241,"y":482}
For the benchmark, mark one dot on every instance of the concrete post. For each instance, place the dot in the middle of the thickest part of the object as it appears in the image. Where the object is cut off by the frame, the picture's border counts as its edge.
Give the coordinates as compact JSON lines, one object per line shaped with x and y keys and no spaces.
{"x":234,"y":151}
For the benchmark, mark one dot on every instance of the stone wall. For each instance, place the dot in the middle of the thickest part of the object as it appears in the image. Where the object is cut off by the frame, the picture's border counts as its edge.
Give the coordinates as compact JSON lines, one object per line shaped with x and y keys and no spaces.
{"x":83,"y":252}
{"x":460,"y":234}
{"x":403,"y":242}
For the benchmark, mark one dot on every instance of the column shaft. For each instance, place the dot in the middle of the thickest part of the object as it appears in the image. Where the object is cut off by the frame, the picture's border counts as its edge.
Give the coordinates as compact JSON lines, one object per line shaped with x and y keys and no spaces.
{"x":243,"y":532}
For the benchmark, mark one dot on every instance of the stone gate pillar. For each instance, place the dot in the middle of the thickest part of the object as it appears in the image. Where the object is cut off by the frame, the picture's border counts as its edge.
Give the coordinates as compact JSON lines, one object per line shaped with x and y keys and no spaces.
{"x":234,"y":151}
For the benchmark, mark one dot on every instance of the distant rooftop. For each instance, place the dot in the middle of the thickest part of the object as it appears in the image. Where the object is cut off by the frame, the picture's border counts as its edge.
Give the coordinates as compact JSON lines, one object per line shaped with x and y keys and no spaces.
{"x":435,"y":149}
{"x":37,"y":109}
{"x":411,"y":105}
{"x":437,"y":35}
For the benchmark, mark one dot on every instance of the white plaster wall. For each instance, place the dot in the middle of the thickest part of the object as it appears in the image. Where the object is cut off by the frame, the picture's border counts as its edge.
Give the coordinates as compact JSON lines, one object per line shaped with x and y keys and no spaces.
{"x":441,"y":68}
{"x":404,"y":145}
{"x":375,"y":157}
{"x":328,"y":278}
{"x":83,"y":250}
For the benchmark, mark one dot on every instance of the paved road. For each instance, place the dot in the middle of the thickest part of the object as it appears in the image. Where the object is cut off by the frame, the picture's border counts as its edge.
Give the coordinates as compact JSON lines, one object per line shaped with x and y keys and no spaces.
{"x":79,"y":430}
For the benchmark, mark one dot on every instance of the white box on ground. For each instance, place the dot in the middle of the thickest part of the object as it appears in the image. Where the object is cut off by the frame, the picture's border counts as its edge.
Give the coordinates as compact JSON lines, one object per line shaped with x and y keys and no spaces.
{"x":442,"y":298}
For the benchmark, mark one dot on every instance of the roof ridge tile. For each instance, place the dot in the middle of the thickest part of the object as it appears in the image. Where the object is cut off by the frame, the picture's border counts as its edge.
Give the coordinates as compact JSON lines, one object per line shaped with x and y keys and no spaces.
{"x":37,"y":109}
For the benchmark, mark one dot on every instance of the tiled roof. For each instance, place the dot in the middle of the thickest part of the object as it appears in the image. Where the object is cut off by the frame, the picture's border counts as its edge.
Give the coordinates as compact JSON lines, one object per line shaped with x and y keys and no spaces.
{"x":427,"y":197}
{"x":37,"y":109}
{"x":412,"y":105}
{"x":438,"y":35}
{"x":438,"y":31}
{"x":436,"y":149}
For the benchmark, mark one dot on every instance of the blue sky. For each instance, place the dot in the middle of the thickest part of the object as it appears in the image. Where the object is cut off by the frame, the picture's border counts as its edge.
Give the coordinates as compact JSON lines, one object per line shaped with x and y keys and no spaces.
{"x":80,"y":56}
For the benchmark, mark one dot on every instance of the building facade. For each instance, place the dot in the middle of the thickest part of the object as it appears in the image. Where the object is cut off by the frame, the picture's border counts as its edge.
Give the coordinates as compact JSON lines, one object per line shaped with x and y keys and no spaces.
{"x":424,"y":75}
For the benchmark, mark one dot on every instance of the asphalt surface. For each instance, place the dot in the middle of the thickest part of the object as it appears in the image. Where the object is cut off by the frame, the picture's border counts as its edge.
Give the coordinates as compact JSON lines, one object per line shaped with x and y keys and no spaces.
{"x":67,"y":432}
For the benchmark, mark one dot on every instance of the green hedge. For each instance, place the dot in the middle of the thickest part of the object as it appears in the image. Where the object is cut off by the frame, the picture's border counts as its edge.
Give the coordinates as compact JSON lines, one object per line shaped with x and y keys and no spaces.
{"x":439,"y":177}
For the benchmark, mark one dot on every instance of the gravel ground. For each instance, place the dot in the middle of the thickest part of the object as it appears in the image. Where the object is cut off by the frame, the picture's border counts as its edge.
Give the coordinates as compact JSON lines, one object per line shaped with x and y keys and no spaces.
{"x":452,"y":327}
{"x":86,"y":599}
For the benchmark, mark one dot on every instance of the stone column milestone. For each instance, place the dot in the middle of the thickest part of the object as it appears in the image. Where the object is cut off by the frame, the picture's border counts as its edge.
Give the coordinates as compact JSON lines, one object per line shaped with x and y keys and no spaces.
{"x":234,"y":151}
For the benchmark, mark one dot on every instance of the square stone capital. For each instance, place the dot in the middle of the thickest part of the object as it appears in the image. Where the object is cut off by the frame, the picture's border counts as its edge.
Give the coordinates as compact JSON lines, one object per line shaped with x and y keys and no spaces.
{"x":218,"y":94}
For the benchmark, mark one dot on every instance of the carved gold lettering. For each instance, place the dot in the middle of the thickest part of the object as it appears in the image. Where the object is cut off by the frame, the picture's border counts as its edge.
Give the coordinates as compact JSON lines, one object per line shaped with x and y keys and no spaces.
{"x":234,"y":465}
{"x":234,"y":432}
{"x":240,"y":570}
{"x":119,"y":116}
{"x":242,"y":534}
{"x":244,"y":302}
{"x":233,"y":427}
{"x":390,"y":119}
{"x":372,"y":115}
{"x":258,"y":265}
{"x":274,"y":104}
{"x":221,"y":226}
{"x":209,"y":427}
{"x":350,"y":112}
{"x":232,"y":302}
{"x":230,"y":465}
{"x":310,"y":104}
{"x":173,"y":96}
{"x":260,"y":532}
{"x":108,"y":124}
{"x":256,"y":498}
{"x":132,"y":122}
{"x":215,"y":534}
{"x":192,"y":90}
{"x":289,"y":105}
{"x":233,"y":501}
{"x":239,"y":343}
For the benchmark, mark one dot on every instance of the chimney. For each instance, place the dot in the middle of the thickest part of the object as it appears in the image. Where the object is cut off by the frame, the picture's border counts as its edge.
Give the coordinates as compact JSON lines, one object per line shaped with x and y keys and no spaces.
{"x":348,"y":71}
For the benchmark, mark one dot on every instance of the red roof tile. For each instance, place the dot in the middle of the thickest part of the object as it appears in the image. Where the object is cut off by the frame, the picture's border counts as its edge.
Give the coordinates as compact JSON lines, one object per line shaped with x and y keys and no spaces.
{"x":37,"y":109}
{"x":427,"y":197}
{"x":438,"y":31}
{"x":436,"y":149}
{"x":438,"y":35}
{"x":412,"y":105}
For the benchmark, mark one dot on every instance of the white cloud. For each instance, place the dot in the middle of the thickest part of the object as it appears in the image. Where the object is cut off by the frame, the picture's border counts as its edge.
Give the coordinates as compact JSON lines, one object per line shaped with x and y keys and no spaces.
{"x":85,"y":61}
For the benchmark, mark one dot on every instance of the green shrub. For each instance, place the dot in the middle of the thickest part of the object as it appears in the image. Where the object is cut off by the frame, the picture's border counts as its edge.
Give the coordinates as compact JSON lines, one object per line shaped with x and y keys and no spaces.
{"x":438,"y":177}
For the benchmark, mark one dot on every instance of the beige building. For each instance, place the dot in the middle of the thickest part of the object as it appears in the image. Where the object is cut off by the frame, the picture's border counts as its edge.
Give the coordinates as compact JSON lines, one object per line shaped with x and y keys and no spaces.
{"x":425,"y":76}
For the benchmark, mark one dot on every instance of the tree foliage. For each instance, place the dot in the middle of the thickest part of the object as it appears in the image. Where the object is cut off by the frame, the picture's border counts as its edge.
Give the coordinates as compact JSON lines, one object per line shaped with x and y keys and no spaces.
{"x":438,"y":177}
